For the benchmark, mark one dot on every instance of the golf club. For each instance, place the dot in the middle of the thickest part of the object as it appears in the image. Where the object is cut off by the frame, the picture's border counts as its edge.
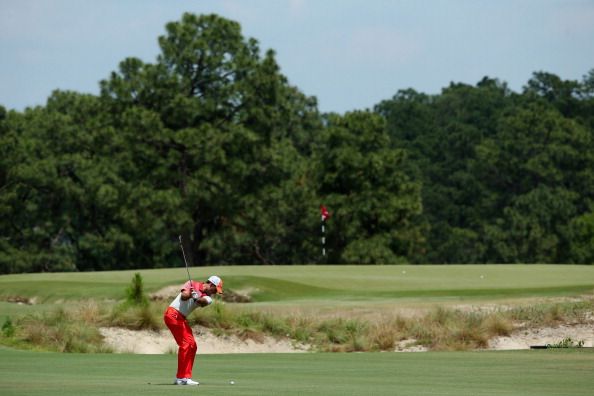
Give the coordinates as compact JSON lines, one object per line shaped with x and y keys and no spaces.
{"x":185,"y":261}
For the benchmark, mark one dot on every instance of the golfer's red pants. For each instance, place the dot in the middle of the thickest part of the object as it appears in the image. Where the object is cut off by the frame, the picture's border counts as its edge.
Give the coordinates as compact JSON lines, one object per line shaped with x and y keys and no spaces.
{"x":182,"y":333}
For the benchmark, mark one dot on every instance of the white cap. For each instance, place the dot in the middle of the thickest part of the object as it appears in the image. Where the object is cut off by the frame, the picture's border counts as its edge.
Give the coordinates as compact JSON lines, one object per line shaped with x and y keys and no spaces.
{"x":218,"y":282}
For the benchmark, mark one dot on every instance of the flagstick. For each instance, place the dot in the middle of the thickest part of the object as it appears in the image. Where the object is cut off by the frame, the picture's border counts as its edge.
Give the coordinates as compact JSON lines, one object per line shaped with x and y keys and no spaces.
{"x":325,"y":216}
{"x":323,"y":239}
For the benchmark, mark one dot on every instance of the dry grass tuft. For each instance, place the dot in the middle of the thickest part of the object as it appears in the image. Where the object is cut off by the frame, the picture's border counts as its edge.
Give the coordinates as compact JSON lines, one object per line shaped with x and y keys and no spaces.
{"x":76,"y":329}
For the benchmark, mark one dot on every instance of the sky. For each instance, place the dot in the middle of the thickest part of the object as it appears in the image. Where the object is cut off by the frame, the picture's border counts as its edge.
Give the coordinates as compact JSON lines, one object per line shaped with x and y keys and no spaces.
{"x":349,"y":54}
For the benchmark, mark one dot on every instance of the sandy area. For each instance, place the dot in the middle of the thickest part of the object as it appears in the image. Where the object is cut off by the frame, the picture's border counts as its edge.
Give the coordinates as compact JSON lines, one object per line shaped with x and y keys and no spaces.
{"x":150,"y":342}
{"x":524,"y":339}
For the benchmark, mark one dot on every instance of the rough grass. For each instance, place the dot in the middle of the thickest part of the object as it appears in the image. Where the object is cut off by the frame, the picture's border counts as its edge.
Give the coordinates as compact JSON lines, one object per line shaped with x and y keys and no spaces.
{"x":326,"y":326}
{"x":439,"y":329}
{"x":61,"y":330}
{"x":76,"y":329}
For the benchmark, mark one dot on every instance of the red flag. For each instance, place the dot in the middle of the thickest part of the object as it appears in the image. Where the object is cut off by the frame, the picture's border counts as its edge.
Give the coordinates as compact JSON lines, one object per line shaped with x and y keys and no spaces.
{"x":325,"y":213}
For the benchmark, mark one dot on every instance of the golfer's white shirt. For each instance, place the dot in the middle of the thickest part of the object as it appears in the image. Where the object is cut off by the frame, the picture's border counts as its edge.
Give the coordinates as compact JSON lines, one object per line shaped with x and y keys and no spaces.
{"x":186,"y":307}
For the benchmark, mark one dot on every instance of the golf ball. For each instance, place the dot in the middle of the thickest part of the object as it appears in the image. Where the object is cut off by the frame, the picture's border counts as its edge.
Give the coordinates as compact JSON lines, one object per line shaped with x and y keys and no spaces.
{"x":231,"y":382}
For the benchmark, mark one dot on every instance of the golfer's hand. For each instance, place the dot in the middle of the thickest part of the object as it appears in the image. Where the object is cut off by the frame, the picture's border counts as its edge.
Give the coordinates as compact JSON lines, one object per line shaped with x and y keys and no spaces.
{"x":195,"y":295}
{"x":204,"y":301}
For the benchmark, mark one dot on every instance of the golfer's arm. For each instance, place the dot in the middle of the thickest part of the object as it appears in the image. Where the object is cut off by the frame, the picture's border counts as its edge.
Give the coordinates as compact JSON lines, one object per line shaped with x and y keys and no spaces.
{"x":185,"y":294}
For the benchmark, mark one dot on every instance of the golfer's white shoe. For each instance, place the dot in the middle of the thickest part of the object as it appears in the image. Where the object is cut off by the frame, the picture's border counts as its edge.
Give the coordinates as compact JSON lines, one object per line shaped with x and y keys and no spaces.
{"x":185,"y":381}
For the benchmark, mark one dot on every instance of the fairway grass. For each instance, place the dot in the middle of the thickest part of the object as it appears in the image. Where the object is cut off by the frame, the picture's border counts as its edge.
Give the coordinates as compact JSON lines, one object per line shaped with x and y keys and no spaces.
{"x":538,"y":373}
{"x":323,"y":284}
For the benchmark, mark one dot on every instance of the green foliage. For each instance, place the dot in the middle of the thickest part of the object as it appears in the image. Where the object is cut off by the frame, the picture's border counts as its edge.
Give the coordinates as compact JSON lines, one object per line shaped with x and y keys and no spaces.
{"x":506,"y":177}
{"x":211,"y":133}
{"x":363,"y":181}
{"x":581,"y":234}
{"x":8,"y":329}
{"x":212,"y":142}
{"x":135,"y":292}
{"x":567,"y":343}
{"x":135,"y":312}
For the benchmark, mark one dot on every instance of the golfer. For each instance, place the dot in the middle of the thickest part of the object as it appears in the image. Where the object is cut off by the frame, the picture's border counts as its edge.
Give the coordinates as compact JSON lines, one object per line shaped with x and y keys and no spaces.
{"x":191,"y":296}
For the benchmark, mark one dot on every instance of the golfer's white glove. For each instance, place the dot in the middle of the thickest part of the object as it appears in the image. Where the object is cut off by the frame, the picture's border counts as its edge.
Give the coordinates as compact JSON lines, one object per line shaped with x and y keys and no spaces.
{"x":195,"y":295}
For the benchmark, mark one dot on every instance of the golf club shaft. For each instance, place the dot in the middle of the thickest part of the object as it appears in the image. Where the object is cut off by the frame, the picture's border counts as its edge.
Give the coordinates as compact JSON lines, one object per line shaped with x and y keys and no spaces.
{"x":185,"y":261}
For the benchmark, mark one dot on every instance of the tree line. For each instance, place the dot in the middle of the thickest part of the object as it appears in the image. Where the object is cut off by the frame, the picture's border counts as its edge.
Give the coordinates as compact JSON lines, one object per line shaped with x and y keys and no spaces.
{"x":212,"y":142}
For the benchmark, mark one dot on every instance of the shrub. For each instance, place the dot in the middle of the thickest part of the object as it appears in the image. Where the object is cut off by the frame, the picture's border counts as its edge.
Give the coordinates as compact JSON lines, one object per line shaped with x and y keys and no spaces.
{"x":8,"y":329}
{"x":135,"y":313}
{"x":135,"y":292}
{"x":567,"y":343}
